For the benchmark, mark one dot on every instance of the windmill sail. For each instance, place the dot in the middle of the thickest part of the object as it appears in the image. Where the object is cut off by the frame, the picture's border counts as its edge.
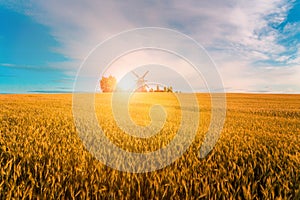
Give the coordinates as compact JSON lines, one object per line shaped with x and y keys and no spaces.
{"x":141,"y":85}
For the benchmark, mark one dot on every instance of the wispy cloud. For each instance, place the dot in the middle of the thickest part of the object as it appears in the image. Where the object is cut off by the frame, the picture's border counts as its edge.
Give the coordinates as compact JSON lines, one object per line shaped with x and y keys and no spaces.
{"x":50,"y":91}
{"x":30,"y":67}
{"x":243,"y":37}
{"x":7,"y":65}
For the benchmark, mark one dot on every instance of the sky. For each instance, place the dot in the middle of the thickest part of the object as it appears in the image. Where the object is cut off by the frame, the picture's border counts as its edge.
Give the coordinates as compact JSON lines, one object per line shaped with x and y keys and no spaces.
{"x":255,"y":45}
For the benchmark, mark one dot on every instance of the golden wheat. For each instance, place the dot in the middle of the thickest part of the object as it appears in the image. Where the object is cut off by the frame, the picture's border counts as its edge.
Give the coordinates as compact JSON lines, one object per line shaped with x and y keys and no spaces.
{"x":257,"y":156}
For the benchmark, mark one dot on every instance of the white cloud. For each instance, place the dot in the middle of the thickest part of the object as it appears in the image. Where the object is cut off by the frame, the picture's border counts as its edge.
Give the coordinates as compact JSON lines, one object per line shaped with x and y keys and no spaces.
{"x":236,"y":33}
{"x":243,"y":78}
{"x":7,"y":64}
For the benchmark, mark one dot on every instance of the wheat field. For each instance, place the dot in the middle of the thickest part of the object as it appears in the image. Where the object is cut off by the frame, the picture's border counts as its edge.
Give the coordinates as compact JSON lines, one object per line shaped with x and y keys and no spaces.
{"x":256,"y":157}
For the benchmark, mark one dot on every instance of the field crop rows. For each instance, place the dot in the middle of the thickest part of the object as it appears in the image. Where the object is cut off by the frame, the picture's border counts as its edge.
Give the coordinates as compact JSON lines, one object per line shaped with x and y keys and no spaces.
{"x":257,"y":156}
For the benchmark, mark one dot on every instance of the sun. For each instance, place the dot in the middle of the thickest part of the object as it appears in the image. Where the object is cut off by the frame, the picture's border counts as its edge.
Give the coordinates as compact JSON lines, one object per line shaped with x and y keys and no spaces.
{"x":126,"y":83}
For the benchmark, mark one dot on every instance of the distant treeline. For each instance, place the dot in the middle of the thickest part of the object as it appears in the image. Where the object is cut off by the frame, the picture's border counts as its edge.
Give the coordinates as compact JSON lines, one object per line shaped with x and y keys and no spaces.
{"x":109,"y":84}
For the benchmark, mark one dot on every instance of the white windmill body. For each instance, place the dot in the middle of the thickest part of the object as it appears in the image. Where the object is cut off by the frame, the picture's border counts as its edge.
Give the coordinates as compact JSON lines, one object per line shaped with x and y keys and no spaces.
{"x":141,"y":85}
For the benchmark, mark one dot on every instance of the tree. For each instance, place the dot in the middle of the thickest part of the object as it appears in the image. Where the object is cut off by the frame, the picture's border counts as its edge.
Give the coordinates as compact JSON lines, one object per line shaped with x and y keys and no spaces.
{"x":157,"y":88}
{"x":165,"y":89}
{"x":108,"y":84}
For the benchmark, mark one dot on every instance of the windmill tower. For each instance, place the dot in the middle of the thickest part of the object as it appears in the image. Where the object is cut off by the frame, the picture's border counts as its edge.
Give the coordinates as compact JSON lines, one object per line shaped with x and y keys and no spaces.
{"x":141,"y":85}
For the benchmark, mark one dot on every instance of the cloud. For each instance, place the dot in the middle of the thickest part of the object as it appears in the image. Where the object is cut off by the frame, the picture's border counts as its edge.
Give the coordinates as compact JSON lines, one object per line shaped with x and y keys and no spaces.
{"x":29,"y":67}
{"x":50,"y":91}
{"x":248,"y":79}
{"x":7,"y":65}
{"x":228,"y":25}
{"x":237,"y":34}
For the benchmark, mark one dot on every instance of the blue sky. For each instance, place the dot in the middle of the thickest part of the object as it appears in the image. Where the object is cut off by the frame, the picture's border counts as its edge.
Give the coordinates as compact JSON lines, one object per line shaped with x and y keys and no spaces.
{"x":255,"y":44}
{"x":26,"y":50}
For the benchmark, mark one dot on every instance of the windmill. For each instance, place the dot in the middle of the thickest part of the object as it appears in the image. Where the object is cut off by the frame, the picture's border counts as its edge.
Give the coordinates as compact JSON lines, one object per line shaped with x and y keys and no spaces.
{"x":141,"y":85}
